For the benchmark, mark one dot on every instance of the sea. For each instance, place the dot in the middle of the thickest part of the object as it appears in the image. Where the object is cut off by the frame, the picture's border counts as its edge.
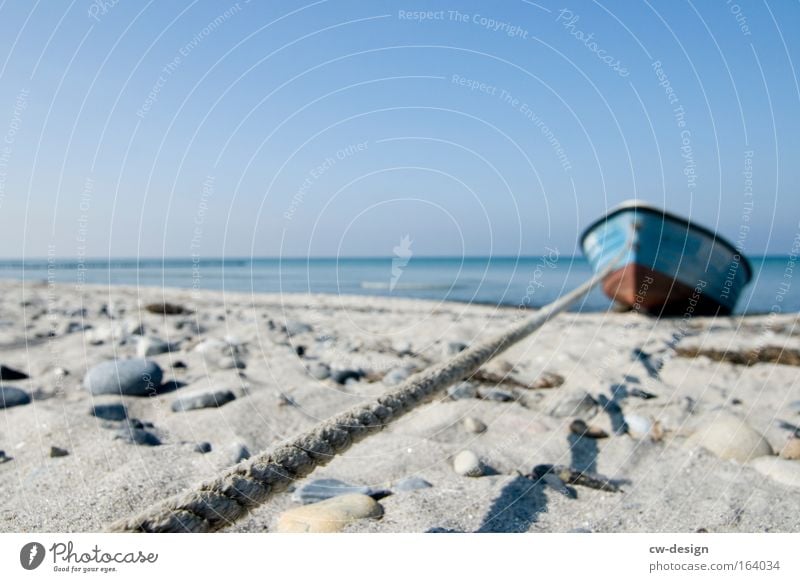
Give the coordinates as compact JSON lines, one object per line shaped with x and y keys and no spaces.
{"x":509,"y":281}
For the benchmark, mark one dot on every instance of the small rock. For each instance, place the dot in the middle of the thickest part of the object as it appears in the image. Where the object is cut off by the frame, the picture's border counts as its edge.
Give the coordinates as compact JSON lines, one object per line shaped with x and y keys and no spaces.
{"x":342,"y":376}
{"x":547,"y":380}
{"x":300,"y":351}
{"x":331,"y":515}
{"x":322,"y":489}
{"x":127,"y":377}
{"x":402,"y":348}
{"x":7,"y":374}
{"x":110,"y":411}
{"x":468,"y":464}
{"x":319,"y":371}
{"x":294,"y":327}
{"x":462,"y":391}
{"x":138,"y":436}
{"x":151,"y":346}
{"x":781,"y":470}
{"x":496,"y":394}
{"x":202,"y":448}
{"x":238,"y":453}
{"x":167,"y":309}
{"x":4,"y":458}
{"x":791,"y":450}
{"x":580,"y":405}
{"x":196,"y":401}
{"x":638,"y":427}
{"x":411,"y":484}
{"x":728,"y":437}
{"x":10,"y":396}
{"x":453,"y":348}
{"x":58,"y":452}
{"x":474,"y":425}
{"x":639,"y":393}
{"x":580,"y":428}
{"x":60,"y":372}
{"x":396,"y":376}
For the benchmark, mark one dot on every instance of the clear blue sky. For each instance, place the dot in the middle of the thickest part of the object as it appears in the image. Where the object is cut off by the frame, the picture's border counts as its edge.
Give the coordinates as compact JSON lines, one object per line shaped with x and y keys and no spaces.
{"x":172,"y":128}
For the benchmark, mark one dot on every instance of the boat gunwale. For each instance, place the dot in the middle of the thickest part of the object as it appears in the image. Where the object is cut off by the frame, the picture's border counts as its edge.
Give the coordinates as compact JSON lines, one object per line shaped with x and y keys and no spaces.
{"x":643,"y":206}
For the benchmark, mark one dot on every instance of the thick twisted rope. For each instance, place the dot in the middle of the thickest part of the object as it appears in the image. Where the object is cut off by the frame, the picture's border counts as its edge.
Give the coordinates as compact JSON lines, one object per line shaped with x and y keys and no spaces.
{"x":238,"y":490}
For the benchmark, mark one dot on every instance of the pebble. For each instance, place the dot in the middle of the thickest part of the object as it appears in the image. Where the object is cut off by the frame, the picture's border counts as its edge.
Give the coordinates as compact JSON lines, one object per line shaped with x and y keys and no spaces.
{"x":580,"y":428}
{"x":791,"y":450}
{"x":453,"y":348}
{"x":580,"y":405}
{"x":319,"y":371}
{"x":496,"y":394}
{"x":474,"y":425}
{"x":238,"y":453}
{"x":58,"y":452}
{"x":780,"y":470}
{"x":10,"y":396}
{"x":728,"y":437}
{"x":342,"y":376}
{"x":110,"y":411}
{"x":462,"y":391}
{"x":331,"y":515}
{"x":167,"y":309}
{"x":548,"y":380}
{"x":396,"y":376}
{"x":196,"y":401}
{"x":7,"y":373}
{"x":468,"y":464}
{"x":294,"y":327}
{"x":322,"y":489}
{"x":4,"y":458}
{"x":127,"y":377}
{"x":411,"y":484}
{"x":638,"y":427}
{"x":151,"y":346}
{"x":202,"y":448}
{"x":138,"y":436}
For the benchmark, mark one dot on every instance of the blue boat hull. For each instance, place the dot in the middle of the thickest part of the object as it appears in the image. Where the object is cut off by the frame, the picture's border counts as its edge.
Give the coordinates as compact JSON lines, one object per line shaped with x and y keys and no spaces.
{"x":671,"y":266}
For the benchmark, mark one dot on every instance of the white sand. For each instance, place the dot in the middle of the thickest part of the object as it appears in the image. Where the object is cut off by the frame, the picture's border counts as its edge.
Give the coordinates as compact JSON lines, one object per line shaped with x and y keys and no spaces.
{"x":669,"y":487}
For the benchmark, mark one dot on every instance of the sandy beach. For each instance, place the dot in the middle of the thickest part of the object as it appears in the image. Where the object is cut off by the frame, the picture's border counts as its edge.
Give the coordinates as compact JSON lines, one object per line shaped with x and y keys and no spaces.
{"x":690,"y":419}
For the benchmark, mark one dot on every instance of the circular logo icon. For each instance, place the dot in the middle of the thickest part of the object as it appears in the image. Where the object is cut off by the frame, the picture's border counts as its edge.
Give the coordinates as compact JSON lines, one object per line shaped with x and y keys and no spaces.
{"x":31,"y":555}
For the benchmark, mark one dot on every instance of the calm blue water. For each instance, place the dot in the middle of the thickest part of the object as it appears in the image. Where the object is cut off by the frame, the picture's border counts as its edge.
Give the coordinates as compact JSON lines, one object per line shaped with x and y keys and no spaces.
{"x":532,"y":281}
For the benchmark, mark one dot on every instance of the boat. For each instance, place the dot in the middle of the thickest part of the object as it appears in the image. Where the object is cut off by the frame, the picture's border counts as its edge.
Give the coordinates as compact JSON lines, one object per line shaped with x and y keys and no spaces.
{"x":672,"y":266}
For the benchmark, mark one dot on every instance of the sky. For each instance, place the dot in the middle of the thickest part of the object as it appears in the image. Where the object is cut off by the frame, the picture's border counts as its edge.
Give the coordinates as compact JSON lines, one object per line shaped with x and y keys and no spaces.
{"x":338,"y":128}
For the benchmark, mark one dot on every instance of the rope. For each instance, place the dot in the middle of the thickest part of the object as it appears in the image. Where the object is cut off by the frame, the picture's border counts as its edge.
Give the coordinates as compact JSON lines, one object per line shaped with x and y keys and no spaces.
{"x":238,"y":490}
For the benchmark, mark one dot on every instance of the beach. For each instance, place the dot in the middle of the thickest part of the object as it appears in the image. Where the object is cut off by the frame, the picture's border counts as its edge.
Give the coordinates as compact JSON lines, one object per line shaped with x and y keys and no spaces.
{"x":640,"y":404}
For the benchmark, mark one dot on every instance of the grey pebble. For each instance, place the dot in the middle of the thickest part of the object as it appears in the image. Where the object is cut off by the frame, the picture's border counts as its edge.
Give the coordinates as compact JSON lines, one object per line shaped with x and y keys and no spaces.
{"x":411,"y":484}
{"x":10,"y":396}
{"x":468,"y":464}
{"x":4,"y":458}
{"x":135,"y":377}
{"x":580,"y":405}
{"x":151,"y":346}
{"x":342,"y":376}
{"x":110,"y":411}
{"x":496,"y":394}
{"x":202,"y":448}
{"x":453,"y":348}
{"x":7,"y":373}
{"x":474,"y":425}
{"x":58,"y":452}
{"x":319,"y":371}
{"x":462,"y":391}
{"x":238,"y":453}
{"x":138,"y":436}
{"x":213,"y":399}
{"x":322,"y":489}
